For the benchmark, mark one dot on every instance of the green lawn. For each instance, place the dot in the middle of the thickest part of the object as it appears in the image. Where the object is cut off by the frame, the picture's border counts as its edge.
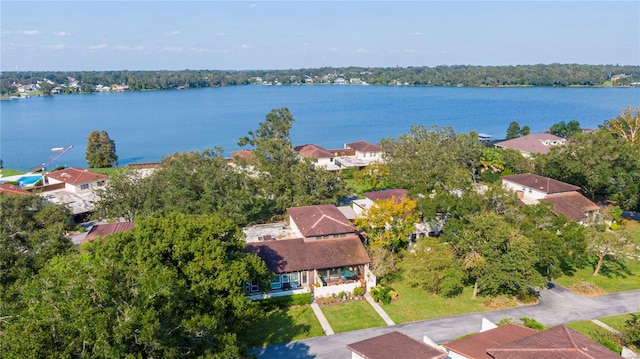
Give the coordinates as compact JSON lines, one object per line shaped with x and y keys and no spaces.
{"x":613,"y":277}
{"x":601,"y":335}
{"x":6,"y":172}
{"x":352,"y":316}
{"x":283,"y":325}
{"x":416,"y":304}
{"x":107,"y":171}
{"x":617,"y":321}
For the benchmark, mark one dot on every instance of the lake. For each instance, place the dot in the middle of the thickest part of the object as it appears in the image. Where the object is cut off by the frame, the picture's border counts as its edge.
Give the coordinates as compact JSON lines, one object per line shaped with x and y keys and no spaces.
{"x":149,"y":125}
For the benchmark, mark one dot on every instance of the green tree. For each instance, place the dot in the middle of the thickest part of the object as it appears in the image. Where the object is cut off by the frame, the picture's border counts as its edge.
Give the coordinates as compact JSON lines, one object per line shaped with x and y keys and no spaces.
{"x":433,"y":266}
{"x":565,"y":130}
{"x":172,"y":287}
{"x":435,"y":158}
{"x":604,"y":166}
{"x":626,"y":125}
{"x":31,"y":232}
{"x":389,"y":223}
{"x":525,"y":131}
{"x":513,"y":131}
{"x":101,"y":150}
{"x":605,"y":247}
{"x":499,"y":258}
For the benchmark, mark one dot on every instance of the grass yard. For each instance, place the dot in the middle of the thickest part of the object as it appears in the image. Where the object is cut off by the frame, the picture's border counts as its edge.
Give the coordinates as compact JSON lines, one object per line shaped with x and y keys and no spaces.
{"x":415,"y":304}
{"x":601,"y":335}
{"x":6,"y":172}
{"x":106,"y":171}
{"x":617,"y":321}
{"x":352,"y":316}
{"x":631,"y":231}
{"x":612,"y":277}
{"x":284,"y":325}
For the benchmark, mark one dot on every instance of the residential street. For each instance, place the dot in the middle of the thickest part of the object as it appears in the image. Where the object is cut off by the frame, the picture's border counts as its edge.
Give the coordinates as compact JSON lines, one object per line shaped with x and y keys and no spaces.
{"x":557,"y":305}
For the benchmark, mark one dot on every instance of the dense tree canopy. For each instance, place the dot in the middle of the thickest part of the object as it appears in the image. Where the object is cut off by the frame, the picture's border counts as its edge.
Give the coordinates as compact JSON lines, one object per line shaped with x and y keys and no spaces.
{"x":626,"y":125}
{"x":101,"y":150}
{"x":604,"y":166}
{"x":172,"y":287}
{"x":565,"y":129}
{"x":426,"y":159}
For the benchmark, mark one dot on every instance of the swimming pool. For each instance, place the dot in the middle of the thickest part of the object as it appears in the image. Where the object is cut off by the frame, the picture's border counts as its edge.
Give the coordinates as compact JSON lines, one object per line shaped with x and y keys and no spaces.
{"x":28,"y":180}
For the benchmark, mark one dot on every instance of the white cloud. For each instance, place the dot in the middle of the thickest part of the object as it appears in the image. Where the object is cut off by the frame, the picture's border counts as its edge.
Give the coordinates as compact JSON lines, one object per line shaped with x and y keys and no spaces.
{"x":418,"y":33}
{"x":173,"y":33}
{"x":127,"y":48}
{"x":362,"y":50}
{"x":242,"y":46}
{"x":171,"y":48}
{"x":55,"y":47}
{"x":28,"y":32}
{"x":98,"y":47}
{"x":62,"y":33}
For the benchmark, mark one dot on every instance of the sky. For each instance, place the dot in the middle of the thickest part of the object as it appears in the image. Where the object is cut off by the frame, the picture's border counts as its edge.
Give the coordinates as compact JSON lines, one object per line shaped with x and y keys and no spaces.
{"x":238,"y":35}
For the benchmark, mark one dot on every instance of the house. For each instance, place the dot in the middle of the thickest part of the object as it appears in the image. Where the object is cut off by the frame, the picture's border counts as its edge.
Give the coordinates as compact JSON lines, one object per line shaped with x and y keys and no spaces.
{"x":11,"y":189}
{"x":532,"y":144}
{"x":323,"y":267}
{"x":320,"y":222}
{"x":512,"y":341}
{"x":366,"y":151}
{"x":565,"y":198}
{"x":361,"y":205}
{"x":475,"y":346}
{"x":104,"y":229}
{"x":557,"y":342}
{"x":76,"y":180}
{"x":320,"y":157}
{"x":393,"y":345}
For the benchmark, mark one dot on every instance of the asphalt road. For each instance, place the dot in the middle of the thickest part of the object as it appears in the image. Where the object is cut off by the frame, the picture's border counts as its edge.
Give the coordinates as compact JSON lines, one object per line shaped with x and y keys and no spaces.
{"x":557,"y":305}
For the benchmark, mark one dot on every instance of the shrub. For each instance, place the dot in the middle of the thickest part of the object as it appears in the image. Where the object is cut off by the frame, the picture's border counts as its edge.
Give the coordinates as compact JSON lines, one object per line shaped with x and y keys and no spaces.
{"x":527,"y":296}
{"x":342,"y":294}
{"x":384,"y":294}
{"x":358,"y":291}
{"x":532,"y":323}
{"x":286,"y":301}
{"x":504,"y":321}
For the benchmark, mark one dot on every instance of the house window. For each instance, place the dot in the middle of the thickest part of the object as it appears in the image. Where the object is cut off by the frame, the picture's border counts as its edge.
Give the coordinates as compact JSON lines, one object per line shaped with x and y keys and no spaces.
{"x":285,"y":278}
{"x":295,"y":280}
{"x":334,"y":273}
{"x":84,"y":187}
{"x":275,"y":282}
{"x":251,"y":286}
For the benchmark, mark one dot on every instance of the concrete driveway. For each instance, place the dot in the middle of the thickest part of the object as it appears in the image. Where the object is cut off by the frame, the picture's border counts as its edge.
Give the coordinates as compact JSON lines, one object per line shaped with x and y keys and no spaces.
{"x":557,"y":305}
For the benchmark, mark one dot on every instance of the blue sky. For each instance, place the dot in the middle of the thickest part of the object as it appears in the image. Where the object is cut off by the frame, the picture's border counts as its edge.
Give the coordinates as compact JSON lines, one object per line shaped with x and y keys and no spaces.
{"x":217,"y":35}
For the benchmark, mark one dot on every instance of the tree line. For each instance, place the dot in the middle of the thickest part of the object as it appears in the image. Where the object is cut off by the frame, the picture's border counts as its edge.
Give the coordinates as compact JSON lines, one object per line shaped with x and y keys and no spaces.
{"x":456,"y":75}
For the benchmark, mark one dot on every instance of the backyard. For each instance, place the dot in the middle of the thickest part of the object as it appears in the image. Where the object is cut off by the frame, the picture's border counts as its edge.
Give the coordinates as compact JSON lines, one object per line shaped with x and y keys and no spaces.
{"x":352,"y":316}
{"x":284,"y":325}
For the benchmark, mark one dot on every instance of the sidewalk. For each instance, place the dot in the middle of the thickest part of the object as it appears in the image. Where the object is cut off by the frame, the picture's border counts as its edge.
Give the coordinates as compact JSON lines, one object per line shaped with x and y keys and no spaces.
{"x":322,"y":319}
{"x":387,"y":319}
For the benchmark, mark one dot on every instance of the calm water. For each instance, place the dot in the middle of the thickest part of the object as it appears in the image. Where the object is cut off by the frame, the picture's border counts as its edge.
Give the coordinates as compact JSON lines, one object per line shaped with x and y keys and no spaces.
{"x":149,"y":125}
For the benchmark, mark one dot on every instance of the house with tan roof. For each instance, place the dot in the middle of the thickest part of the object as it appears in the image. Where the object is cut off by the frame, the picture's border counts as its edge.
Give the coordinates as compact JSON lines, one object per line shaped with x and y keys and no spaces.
{"x":532,"y":144}
{"x":394,"y":345}
{"x":76,"y":180}
{"x":370,"y":198}
{"x":564,"y":198}
{"x":320,"y":157}
{"x":6,"y":188}
{"x":320,"y":222}
{"x":104,"y":229}
{"x":512,"y":341}
{"x":323,"y":267}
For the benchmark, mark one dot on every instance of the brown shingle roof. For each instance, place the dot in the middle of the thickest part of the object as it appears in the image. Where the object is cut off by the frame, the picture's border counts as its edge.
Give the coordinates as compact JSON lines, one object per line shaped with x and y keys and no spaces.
{"x":320,"y":220}
{"x":11,"y":189}
{"x":246,"y":155}
{"x":572,"y":205}
{"x":541,"y":183}
{"x":313,"y":151}
{"x":394,"y":345}
{"x":76,"y":176}
{"x":475,"y":346}
{"x":289,"y":255}
{"x":398,"y":194}
{"x":101,"y":230}
{"x":532,"y":143}
{"x":364,"y":146}
{"x":559,"y":342}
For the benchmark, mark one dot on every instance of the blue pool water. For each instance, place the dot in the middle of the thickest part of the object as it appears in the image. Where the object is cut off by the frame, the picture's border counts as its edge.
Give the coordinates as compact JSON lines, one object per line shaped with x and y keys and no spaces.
{"x":28,"y":180}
